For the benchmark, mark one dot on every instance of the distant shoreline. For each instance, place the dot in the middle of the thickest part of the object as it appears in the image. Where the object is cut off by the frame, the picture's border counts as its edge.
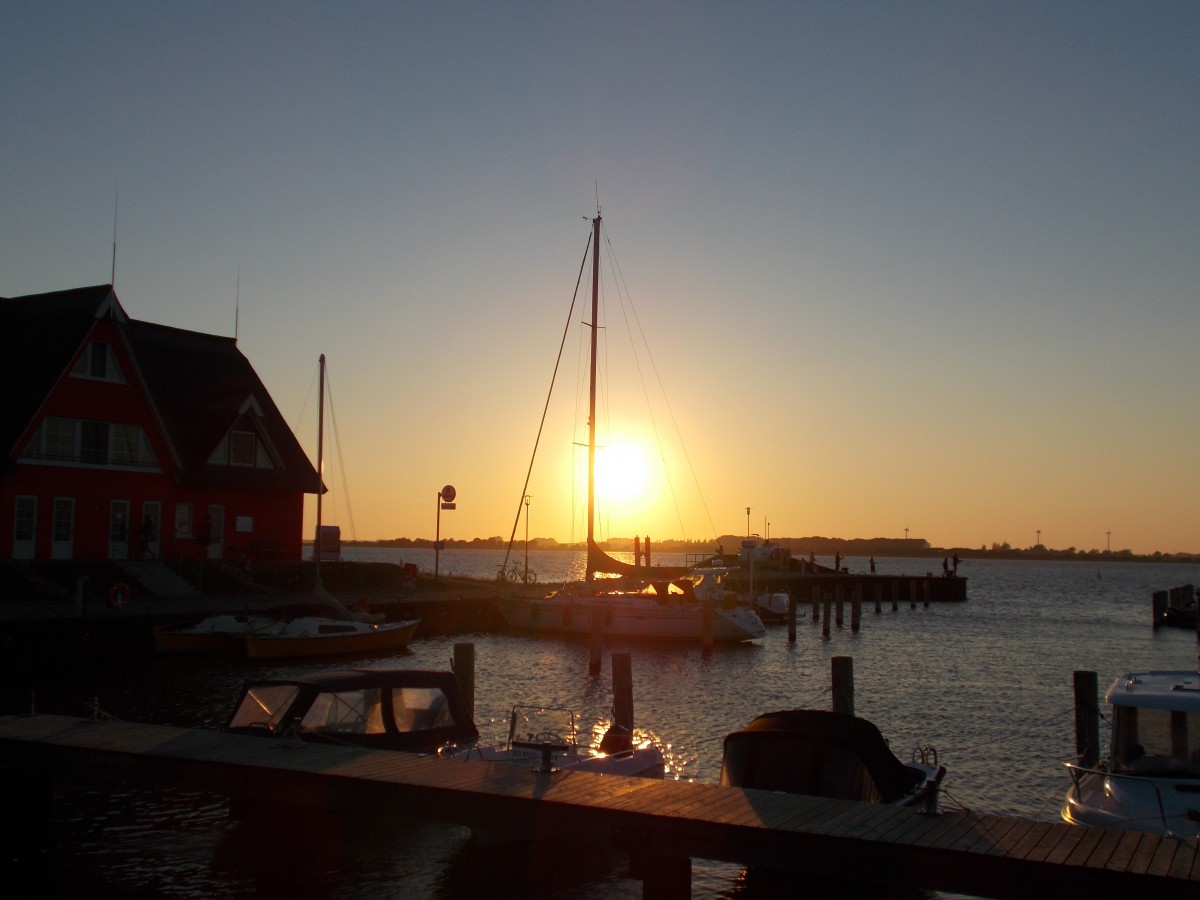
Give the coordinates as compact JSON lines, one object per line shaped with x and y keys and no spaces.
{"x":820,"y":547}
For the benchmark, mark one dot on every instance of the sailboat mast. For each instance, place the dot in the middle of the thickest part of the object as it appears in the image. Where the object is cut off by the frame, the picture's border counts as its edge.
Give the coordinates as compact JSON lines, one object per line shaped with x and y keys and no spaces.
{"x":320,"y":463}
{"x":592,"y":392}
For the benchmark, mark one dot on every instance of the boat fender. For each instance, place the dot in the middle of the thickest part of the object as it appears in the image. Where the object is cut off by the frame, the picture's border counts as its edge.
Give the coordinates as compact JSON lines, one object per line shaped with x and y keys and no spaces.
{"x":118,"y":595}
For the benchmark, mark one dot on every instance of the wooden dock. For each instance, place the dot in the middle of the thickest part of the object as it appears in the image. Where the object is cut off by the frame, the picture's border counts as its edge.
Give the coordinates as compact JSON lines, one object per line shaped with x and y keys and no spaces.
{"x":663,"y":824}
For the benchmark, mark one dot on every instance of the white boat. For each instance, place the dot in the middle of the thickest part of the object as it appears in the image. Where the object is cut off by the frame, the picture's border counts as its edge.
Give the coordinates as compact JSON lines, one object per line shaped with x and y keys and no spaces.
{"x":319,"y":636}
{"x":558,"y":747}
{"x":1150,"y":780}
{"x":629,"y":600}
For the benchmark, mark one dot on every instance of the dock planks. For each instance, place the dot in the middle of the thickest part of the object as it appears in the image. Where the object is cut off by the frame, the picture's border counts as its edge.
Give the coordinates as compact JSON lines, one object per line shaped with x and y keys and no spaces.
{"x":989,"y":856}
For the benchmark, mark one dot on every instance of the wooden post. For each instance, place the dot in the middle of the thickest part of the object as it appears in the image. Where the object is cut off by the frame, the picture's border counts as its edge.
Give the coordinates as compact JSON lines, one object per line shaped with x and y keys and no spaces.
{"x":596,"y":644}
{"x":1158,"y":608}
{"x":664,"y":877}
{"x":828,"y":602}
{"x":912,"y":594}
{"x":926,"y":594}
{"x":842,"y":672}
{"x":816,"y":602}
{"x":791,"y":618}
{"x":840,"y":602}
{"x":622,"y":678}
{"x":856,"y":609}
{"x":878,"y":597}
{"x":895,"y":595}
{"x":463,"y":667}
{"x":1087,"y":719}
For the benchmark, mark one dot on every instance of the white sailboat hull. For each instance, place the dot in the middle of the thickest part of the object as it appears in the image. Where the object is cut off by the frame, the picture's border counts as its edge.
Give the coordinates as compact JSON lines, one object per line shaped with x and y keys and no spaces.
{"x":629,"y":616}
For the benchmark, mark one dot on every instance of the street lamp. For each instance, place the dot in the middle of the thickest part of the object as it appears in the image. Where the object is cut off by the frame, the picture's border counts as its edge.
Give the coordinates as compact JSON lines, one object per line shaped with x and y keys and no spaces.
{"x":747,"y":523}
{"x":526,"y":579}
{"x":445,"y":501}
{"x":1039,"y":540}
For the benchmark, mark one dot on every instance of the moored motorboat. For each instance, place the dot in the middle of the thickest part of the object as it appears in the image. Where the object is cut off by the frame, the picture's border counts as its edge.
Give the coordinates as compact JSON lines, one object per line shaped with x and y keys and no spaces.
{"x":828,"y":754}
{"x":1150,"y":780}
{"x":384,"y":709}
{"x":317,"y":636}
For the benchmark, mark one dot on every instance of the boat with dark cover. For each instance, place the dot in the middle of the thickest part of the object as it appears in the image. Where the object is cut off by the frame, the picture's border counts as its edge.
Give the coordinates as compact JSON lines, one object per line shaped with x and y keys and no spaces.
{"x":828,"y":754}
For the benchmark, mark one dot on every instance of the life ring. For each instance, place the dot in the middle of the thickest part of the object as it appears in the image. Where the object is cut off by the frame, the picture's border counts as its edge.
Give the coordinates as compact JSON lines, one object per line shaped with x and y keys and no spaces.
{"x":118,"y":595}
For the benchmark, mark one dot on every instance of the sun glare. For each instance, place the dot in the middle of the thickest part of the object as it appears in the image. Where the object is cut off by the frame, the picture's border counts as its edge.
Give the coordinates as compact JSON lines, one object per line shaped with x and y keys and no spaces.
{"x":626,"y":476}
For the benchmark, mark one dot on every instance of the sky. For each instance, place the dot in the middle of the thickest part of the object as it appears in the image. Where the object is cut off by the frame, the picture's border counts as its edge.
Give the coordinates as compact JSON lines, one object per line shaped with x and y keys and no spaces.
{"x":925,"y":269}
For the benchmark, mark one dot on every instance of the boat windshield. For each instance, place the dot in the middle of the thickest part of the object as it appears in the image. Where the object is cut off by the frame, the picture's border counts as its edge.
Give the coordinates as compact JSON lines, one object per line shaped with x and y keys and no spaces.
{"x":346,"y":712}
{"x":264,"y":706}
{"x":1147,"y":740}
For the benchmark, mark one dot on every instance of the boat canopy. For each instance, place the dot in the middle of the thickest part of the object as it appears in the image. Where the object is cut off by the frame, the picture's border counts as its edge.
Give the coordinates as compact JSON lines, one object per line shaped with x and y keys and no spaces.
{"x":819,"y":754}
{"x":396,"y":709}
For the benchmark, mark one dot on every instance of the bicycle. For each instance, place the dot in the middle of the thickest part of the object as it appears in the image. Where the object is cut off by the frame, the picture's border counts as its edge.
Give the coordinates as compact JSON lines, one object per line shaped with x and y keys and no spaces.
{"x":516,"y":574}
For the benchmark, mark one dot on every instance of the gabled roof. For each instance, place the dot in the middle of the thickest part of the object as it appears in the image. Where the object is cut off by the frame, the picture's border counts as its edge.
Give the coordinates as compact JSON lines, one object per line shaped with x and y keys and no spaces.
{"x":38,"y":336}
{"x":197,"y":384}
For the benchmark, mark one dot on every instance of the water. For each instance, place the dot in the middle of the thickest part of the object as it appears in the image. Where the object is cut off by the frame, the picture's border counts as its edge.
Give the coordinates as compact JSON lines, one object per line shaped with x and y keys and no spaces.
{"x":987,"y":682}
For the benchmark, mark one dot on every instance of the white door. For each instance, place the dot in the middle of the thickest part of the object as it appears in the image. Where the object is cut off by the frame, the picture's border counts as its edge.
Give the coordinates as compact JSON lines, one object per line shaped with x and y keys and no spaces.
{"x":62,"y":535}
{"x":25,"y":528}
{"x":118,"y":529}
{"x":216,"y":523}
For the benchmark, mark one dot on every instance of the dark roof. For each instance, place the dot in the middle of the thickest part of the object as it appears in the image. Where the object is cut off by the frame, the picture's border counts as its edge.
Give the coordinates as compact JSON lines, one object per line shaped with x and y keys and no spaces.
{"x":39,"y":334}
{"x":197,"y":384}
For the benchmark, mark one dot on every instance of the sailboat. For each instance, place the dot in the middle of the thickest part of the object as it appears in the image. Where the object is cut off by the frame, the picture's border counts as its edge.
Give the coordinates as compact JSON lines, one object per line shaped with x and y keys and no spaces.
{"x":660,"y":602}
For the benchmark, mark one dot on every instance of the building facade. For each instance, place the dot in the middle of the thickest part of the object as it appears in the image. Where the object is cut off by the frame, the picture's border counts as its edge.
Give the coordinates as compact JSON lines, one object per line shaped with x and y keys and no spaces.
{"x":124,"y":439}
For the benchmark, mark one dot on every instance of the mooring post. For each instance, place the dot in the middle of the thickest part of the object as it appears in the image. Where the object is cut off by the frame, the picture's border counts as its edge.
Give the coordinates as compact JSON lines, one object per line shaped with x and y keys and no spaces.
{"x":622,"y":678}
{"x":912,"y":595}
{"x":1087,"y":719}
{"x":1158,"y":608}
{"x":664,"y":877}
{"x":895,"y":595}
{"x":856,"y":609}
{"x":816,"y":602}
{"x":596,"y":643}
{"x":791,"y":618}
{"x":926,"y":594}
{"x":842,"y":672}
{"x":840,"y":601}
{"x":827,"y":604}
{"x":878,"y":597}
{"x":463,"y":667}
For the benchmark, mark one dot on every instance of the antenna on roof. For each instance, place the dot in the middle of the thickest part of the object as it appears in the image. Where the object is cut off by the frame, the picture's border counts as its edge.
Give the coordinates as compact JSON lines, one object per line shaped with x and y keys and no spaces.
{"x":113,"y":275}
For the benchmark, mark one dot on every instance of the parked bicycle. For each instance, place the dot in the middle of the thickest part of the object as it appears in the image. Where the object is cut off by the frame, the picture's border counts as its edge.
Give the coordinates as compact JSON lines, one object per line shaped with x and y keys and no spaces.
{"x":516,"y":574}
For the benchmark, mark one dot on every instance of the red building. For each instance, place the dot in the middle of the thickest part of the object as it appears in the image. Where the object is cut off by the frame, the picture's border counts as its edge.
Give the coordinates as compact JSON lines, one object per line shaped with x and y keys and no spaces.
{"x":122,"y":439}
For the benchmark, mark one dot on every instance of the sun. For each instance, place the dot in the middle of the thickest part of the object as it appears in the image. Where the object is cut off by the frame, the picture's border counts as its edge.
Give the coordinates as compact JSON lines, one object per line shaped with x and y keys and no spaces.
{"x":626,"y":475}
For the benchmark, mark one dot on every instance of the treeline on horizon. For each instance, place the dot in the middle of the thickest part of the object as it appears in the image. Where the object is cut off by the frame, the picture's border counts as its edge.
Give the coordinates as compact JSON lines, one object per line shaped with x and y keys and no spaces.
{"x":799,"y":547}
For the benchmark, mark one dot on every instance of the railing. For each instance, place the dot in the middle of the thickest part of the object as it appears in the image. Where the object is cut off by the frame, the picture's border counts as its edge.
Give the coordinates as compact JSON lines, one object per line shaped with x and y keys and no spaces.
{"x":1079,"y":772}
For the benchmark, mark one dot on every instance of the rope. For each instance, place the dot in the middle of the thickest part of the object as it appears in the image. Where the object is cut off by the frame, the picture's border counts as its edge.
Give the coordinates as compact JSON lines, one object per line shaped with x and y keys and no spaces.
{"x":337,"y":439}
{"x":542,"y":424}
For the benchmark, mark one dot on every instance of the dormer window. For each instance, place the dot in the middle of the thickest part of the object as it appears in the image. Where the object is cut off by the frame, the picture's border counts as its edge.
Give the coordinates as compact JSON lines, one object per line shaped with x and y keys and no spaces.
{"x":98,"y":362}
{"x":242,"y":448}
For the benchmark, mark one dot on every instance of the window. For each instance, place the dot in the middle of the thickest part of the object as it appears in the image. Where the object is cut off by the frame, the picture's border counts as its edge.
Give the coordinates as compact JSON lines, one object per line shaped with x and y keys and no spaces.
{"x":25,"y":524}
{"x":93,"y":443}
{"x":64,"y":440}
{"x":183,"y":520}
{"x":241,"y":448}
{"x":64,"y":519}
{"x":98,"y":362}
{"x":58,"y":438}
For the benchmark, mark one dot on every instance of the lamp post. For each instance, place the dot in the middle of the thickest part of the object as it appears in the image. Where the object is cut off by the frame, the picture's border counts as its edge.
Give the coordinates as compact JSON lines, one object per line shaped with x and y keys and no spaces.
{"x":445,"y":501}
{"x":526,"y":578}
{"x":747,"y":523}
{"x":1108,"y":540}
{"x":1039,"y":540}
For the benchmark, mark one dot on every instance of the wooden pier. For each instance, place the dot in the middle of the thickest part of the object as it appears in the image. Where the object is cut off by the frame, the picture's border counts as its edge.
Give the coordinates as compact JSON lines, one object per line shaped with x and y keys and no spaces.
{"x":662,"y":824}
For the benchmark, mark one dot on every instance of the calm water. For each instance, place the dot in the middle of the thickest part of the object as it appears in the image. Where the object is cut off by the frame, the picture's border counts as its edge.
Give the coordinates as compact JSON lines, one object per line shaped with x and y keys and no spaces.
{"x":986,"y":682}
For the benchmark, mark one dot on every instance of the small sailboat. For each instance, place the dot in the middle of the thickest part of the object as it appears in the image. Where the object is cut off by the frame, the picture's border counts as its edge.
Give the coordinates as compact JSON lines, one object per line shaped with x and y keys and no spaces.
{"x":631,"y":600}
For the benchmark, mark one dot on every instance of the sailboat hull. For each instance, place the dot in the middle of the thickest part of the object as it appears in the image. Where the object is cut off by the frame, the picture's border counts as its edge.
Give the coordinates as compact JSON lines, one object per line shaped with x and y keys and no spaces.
{"x":629,"y":616}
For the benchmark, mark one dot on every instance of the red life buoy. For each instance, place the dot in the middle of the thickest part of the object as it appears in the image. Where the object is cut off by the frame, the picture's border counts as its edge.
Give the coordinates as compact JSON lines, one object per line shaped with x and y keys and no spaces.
{"x":118,"y":595}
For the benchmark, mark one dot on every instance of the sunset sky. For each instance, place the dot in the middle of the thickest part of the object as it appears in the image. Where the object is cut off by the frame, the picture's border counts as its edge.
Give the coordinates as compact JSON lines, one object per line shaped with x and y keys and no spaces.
{"x":925,"y":266}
